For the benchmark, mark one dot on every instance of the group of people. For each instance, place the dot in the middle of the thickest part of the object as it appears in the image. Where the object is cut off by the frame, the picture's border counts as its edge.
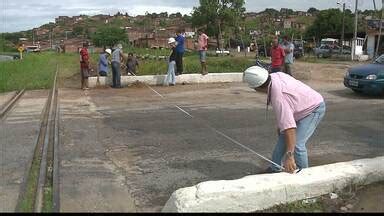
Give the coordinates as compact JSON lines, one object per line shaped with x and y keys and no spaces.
{"x":282,"y":55}
{"x":117,"y":57}
{"x":175,"y":64}
{"x":298,"y":108}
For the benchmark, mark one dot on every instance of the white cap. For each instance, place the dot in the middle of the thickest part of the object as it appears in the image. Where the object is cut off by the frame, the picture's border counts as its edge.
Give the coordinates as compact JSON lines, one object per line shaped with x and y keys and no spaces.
{"x":109,"y":51}
{"x":255,"y":76}
{"x":171,"y":40}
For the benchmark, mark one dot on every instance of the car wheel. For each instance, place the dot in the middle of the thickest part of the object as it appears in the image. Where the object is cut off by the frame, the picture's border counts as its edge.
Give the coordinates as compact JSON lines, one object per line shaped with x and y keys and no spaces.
{"x":321,"y":56}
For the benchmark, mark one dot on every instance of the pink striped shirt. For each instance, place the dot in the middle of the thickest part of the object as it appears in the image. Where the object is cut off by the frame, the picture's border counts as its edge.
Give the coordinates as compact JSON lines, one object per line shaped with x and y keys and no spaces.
{"x":291,"y":100}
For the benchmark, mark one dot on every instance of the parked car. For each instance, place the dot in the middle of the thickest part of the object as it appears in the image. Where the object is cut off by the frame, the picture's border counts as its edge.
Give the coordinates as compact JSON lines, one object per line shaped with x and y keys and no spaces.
{"x":29,"y":49}
{"x":368,"y":78}
{"x":298,"y":52}
{"x":323,"y":51}
{"x":326,"y":50}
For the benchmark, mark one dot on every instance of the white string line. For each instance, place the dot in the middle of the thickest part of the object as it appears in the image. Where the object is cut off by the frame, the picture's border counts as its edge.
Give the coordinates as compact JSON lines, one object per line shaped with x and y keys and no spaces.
{"x":221,"y":133}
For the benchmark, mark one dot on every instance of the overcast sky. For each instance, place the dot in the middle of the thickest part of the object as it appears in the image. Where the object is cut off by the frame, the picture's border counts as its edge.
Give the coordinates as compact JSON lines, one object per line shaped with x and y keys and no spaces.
{"x":20,"y":15}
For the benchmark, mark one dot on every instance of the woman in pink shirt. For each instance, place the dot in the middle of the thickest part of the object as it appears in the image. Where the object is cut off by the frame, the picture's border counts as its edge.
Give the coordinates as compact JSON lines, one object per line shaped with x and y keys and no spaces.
{"x":298,"y":109}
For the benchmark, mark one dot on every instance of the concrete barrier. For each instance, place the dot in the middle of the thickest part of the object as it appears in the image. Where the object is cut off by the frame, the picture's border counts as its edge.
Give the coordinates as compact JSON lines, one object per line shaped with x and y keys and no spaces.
{"x":260,"y":192}
{"x":159,"y":79}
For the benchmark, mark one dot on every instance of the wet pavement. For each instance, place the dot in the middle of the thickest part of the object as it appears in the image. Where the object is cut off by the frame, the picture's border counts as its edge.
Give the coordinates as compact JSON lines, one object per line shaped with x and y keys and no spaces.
{"x":127,"y":150}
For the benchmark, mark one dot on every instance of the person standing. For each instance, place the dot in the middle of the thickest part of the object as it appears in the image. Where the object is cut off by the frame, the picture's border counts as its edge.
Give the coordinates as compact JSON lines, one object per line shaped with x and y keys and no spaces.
{"x":288,"y":61}
{"x":203,"y":47}
{"x":180,"y":49}
{"x":277,"y":56}
{"x":132,"y":63}
{"x":103,"y":63}
{"x":171,"y":76}
{"x":117,"y":56}
{"x":84,"y":66}
{"x":298,"y":109}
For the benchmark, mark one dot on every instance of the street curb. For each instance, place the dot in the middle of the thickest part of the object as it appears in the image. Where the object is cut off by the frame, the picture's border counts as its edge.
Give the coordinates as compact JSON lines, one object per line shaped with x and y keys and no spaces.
{"x":159,"y":79}
{"x":259,"y":192}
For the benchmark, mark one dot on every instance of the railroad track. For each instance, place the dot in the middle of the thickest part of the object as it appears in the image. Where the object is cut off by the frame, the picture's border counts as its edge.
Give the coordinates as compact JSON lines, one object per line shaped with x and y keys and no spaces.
{"x":40,"y":189}
{"x":10,"y":104}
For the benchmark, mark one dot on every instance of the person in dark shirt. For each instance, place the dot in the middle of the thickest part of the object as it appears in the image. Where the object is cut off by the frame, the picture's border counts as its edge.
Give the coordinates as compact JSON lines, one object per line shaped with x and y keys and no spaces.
{"x":132,"y":63}
{"x":180,"y":49}
{"x":84,"y":65}
{"x":171,"y":76}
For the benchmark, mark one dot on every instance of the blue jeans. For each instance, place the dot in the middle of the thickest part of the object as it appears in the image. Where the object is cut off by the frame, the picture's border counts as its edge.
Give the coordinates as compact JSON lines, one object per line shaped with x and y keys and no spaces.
{"x":171,"y":77}
{"x":276,"y":69}
{"x":203,"y":56}
{"x":305,"y":128}
{"x":116,"y":75}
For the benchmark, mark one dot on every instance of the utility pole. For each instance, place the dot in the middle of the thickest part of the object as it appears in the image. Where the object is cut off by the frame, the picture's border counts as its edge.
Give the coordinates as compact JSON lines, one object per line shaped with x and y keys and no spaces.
{"x":33,"y":36}
{"x":343,"y":29}
{"x":374,"y":5}
{"x":354,"y":44}
{"x":380,"y":29}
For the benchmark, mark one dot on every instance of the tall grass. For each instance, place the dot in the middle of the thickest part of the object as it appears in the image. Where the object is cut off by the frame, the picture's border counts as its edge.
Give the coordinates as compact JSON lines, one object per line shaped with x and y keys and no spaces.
{"x":35,"y":71}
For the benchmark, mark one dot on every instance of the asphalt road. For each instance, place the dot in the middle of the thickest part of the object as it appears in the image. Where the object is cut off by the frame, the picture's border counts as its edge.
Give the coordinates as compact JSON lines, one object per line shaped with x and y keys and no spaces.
{"x":127,"y":150}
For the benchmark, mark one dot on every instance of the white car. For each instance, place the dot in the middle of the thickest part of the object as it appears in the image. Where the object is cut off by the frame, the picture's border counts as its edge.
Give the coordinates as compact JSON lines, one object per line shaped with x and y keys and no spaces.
{"x":222,"y":52}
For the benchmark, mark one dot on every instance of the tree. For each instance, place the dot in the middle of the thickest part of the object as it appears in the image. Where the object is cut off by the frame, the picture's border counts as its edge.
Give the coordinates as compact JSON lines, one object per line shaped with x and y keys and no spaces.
{"x":78,"y":30}
{"x":330,"y":22}
{"x":312,"y":10}
{"x":109,"y":36}
{"x":219,"y":16}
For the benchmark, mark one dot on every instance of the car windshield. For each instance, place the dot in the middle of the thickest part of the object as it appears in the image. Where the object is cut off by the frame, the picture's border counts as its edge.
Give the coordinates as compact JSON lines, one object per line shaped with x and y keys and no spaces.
{"x":380,"y":60}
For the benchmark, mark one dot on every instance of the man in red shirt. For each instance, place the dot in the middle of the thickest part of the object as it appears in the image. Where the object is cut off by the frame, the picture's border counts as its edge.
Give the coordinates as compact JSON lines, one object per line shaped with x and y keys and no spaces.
{"x":277,"y":55}
{"x":84,"y":66}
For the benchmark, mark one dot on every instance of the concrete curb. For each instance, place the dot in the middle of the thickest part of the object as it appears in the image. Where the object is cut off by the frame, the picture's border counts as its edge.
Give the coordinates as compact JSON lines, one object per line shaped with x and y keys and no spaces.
{"x":159,"y":79}
{"x":260,"y":192}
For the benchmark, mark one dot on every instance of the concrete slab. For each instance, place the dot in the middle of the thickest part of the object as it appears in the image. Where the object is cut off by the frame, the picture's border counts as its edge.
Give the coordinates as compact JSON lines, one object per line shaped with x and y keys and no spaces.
{"x":260,"y":192}
{"x":159,"y":79}
{"x":18,"y":137}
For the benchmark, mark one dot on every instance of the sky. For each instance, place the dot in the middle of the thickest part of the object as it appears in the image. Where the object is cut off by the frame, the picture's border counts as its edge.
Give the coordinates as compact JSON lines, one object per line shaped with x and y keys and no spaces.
{"x":19,"y":15}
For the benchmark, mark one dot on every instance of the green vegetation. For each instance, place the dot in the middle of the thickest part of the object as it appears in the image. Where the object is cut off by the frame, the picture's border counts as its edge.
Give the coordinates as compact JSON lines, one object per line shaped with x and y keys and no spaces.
{"x":6,"y":46}
{"x":219,"y":17}
{"x":35,"y":71}
{"x":330,"y":21}
{"x":28,"y":201}
{"x":109,"y":36}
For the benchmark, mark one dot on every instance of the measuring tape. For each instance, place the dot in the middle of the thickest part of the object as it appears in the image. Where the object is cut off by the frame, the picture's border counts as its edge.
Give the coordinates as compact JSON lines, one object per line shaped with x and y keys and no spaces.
{"x":219,"y":132}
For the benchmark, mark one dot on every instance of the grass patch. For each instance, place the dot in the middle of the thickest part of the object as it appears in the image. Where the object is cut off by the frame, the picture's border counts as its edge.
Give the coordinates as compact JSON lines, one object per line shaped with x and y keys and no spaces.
{"x":48,"y":200}
{"x":27,"y":204}
{"x":35,"y":71}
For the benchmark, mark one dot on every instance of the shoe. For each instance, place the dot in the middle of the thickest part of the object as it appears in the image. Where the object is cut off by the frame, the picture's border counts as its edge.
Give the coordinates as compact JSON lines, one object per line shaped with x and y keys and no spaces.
{"x":269,"y":171}
{"x":172,"y":84}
